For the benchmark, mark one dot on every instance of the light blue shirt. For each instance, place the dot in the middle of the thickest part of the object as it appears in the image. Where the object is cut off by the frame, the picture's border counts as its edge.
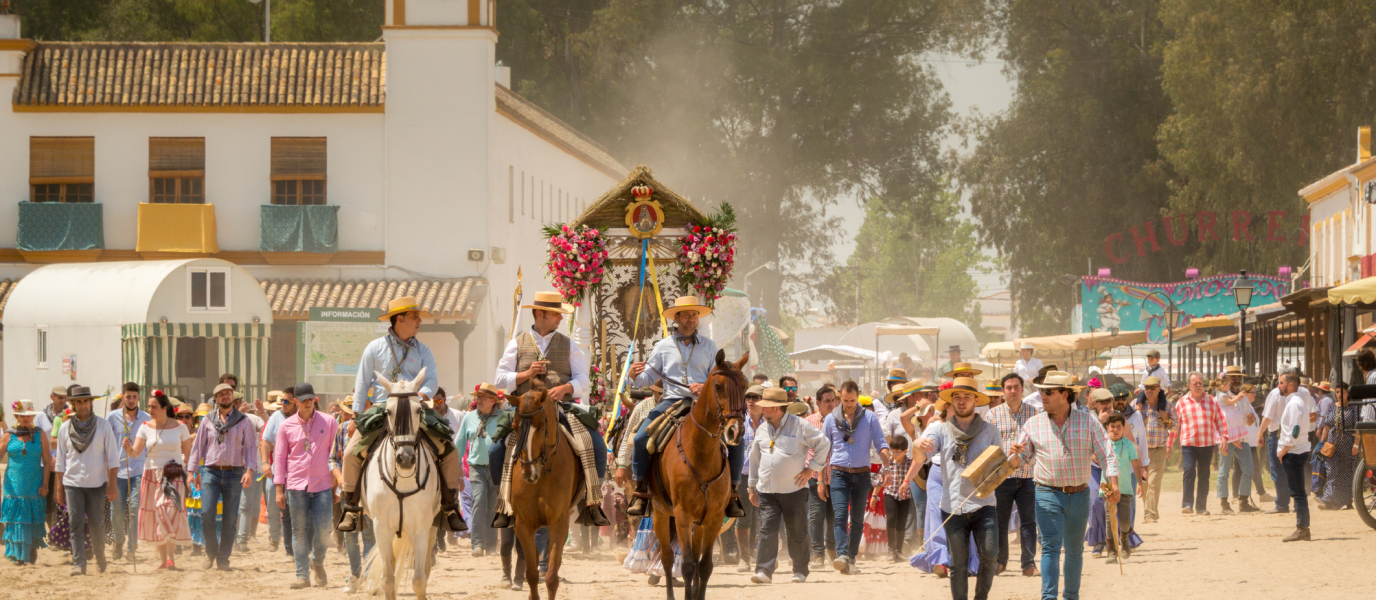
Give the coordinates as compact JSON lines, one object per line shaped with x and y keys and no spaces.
{"x":856,"y":453}
{"x":116,"y":420}
{"x":749,"y":436}
{"x":958,"y":488}
{"x":471,"y":430}
{"x":274,"y":423}
{"x":379,"y":355}
{"x":669,"y":358}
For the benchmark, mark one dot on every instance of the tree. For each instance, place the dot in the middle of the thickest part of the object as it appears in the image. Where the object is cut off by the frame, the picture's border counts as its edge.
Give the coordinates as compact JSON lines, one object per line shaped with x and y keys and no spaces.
{"x":911,"y":259}
{"x":1267,"y":99}
{"x":1074,"y":158}
{"x":199,"y":20}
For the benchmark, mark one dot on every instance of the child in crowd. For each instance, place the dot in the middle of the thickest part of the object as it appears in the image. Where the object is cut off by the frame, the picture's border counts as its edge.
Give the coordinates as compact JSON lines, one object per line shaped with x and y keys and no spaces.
{"x":1130,"y":470}
{"x":898,"y":503}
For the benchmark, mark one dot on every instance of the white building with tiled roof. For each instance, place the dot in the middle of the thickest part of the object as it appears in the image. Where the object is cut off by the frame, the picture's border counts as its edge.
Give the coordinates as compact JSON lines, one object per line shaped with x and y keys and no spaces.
{"x":336,"y":174}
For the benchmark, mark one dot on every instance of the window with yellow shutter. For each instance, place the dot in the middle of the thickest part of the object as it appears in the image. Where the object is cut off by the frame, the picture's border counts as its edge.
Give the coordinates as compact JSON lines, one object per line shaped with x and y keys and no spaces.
{"x":62,"y":169}
{"x":298,"y":170}
{"x":176,"y":170}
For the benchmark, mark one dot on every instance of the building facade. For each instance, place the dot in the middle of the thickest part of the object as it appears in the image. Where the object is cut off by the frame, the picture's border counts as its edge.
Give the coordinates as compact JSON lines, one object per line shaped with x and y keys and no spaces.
{"x":337,"y":174}
{"x":1340,"y":220}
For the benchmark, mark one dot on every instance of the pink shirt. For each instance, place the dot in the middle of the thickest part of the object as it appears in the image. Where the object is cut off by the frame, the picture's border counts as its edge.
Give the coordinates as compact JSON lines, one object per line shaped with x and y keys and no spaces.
{"x":301,"y":458}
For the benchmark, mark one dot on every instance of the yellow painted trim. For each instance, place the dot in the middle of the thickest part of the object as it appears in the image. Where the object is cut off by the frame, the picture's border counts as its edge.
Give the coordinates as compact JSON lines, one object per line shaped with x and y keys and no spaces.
{"x":1365,"y":174}
{"x":11,"y":74}
{"x":238,"y":257}
{"x":515,"y":118}
{"x":1322,"y":189}
{"x":251,"y":109}
{"x":399,"y":13}
{"x":17,"y":45}
{"x":474,"y":12}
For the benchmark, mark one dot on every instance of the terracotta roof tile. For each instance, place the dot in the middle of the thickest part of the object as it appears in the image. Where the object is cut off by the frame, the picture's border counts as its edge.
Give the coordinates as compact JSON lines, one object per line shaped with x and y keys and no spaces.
{"x":203,"y":74}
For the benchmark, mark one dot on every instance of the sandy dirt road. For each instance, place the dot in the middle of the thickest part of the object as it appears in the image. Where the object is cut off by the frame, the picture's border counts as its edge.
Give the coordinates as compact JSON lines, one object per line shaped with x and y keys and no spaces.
{"x":1183,"y":557}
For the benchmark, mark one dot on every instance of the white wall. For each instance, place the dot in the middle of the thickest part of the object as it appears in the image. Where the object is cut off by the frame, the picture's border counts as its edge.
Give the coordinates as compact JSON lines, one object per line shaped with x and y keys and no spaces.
{"x":97,"y":350}
{"x":1328,"y":230}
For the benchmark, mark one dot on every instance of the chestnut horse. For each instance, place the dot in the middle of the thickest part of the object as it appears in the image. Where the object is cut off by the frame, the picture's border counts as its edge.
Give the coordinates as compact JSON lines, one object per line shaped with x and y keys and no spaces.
{"x":545,"y":483}
{"x":691,"y":484}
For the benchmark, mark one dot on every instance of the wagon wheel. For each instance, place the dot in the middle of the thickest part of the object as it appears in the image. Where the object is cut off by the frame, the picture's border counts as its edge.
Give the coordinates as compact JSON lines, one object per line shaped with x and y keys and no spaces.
{"x":1364,"y":493}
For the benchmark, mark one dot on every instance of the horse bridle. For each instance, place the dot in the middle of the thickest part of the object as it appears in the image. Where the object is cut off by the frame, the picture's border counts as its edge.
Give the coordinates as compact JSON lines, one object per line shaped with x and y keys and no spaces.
{"x":541,"y":464}
{"x":421,"y":476}
{"x":703,"y":486}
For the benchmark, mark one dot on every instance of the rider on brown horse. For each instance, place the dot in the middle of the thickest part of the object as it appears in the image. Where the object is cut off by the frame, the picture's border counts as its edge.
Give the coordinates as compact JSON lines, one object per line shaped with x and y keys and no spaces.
{"x":683,"y":361}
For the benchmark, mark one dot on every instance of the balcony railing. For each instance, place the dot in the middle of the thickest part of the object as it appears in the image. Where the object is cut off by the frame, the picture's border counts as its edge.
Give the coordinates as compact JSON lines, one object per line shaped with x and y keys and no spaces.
{"x":177,"y":229}
{"x":58,"y":231}
{"x":291,"y":233}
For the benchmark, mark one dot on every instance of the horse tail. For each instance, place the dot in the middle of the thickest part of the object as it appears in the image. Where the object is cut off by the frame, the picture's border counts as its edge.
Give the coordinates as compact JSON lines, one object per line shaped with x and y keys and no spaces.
{"x":371,"y":567}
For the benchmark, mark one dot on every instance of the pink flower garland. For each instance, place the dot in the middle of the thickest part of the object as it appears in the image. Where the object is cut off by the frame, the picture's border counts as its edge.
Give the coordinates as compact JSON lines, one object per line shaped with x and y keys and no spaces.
{"x":577,"y":260}
{"x":707,"y":255}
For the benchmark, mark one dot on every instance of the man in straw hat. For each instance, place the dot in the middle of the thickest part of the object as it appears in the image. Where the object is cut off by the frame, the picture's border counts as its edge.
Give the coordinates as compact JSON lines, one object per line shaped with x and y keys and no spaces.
{"x":544,"y":354}
{"x":904,"y":399}
{"x":780,"y":469}
{"x":87,"y":466}
{"x":399,"y":356}
{"x":1237,"y":411}
{"x":1018,"y":489}
{"x":954,"y":444}
{"x":1158,"y":415}
{"x":684,"y":358}
{"x":962,"y":369}
{"x":480,"y":431}
{"x":1061,"y":442}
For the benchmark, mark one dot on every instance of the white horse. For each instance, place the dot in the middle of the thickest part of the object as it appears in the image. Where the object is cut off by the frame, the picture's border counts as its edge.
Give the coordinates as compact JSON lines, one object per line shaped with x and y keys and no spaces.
{"x":401,"y":493}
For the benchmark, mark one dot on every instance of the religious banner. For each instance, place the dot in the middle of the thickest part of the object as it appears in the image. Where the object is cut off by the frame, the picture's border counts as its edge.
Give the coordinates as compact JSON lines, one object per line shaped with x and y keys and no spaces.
{"x":1111,"y":304}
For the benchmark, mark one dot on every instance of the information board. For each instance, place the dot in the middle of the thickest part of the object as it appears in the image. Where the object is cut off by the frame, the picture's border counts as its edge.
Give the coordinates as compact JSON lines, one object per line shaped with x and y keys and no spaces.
{"x":331,"y":343}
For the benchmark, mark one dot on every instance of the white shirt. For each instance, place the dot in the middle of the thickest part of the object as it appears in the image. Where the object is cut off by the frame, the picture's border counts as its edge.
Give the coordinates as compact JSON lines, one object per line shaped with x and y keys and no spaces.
{"x":892,"y":424}
{"x":1275,"y":407}
{"x":578,"y":365}
{"x":1294,"y":426}
{"x":1034,"y":399}
{"x":881,"y":410}
{"x":775,"y":459}
{"x":1027,"y":369}
{"x":162,"y":445}
{"x":89,"y":469}
{"x":1159,"y":372}
{"x":258,"y":424}
{"x":1138,"y":428}
{"x":1235,"y":415}
{"x":454,"y":417}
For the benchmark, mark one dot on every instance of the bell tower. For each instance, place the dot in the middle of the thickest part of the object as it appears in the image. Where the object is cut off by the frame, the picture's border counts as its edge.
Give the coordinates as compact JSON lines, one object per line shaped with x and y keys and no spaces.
{"x":439,"y":117}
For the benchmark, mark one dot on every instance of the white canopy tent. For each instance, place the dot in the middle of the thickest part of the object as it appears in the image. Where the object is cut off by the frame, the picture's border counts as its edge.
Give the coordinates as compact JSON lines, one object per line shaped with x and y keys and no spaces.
{"x":102,"y":324}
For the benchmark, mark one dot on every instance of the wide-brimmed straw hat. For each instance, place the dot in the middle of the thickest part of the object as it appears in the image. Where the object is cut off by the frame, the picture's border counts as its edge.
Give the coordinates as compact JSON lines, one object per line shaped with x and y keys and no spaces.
{"x":962,"y":366}
{"x":203,"y":410}
{"x":550,"y":301}
{"x":1059,"y":379}
{"x":773,"y":398}
{"x":993,"y":389}
{"x":487,"y":389}
{"x":966,"y":384}
{"x":904,"y":390}
{"x":897,"y":375}
{"x":683,"y":303}
{"x":24,"y":408}
{"x":1232,"y":371}
{"x":401,"y":305}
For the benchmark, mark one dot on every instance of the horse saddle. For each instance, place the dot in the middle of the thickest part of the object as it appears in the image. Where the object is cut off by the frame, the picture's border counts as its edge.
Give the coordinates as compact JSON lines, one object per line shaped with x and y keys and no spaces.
{"x":662,"y":429}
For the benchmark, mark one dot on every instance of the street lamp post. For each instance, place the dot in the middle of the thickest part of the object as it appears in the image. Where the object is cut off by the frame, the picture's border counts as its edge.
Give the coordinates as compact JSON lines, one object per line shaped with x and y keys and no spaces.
{"x":1172,"y":314}
{"x":1242,"y":294}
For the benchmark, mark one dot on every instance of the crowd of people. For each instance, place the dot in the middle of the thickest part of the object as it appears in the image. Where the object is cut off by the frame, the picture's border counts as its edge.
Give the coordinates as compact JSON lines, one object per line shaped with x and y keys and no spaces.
{"x":836,"y":478}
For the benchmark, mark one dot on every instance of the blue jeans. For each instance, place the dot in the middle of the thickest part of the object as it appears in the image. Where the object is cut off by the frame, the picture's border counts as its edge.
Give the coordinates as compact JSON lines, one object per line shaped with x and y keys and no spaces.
{"x":220,"y":487}
{"x":126,"y":506}
{"x":365,"y":529}
{"x":484,"y":508}
{"x":820,"y":520}
{"x":1022,"y":493}
{"x":274,"y":513}
{"x":1195,"y":462}
{"x":86,"y":506}
{"x":640,"y":456}
{"x":849,"y":493}
{"x":250,"y":508}
{"x":310,"y":524}
{"x":1062,"y":519}
{"x":1296,"y":470}
{"x":919,"y":513}
{"x":1243,"y":456}
{"x":983,"y":524}
{"x":1278,"y":475}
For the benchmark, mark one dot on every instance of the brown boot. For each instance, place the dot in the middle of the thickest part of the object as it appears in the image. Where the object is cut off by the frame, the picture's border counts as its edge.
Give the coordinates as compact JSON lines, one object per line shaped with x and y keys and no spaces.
{"x":638,"y":499}
{"x":349,"y":512}
{"x":734,"y":508}
{"x":449,"y":503}
{"x":592,"y":515}
{"x":1244,"y":505}
{"x":1300,"y":534}
{"x":1227,"y":510}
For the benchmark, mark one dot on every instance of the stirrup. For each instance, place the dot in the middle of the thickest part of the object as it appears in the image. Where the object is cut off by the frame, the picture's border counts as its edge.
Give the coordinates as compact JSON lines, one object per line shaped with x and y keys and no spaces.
{"x":501,"y":521}
{"x":348,"y":520}
{"x":456,"y":521}
{"x":734,"y":507}
{"x":592,"y":515}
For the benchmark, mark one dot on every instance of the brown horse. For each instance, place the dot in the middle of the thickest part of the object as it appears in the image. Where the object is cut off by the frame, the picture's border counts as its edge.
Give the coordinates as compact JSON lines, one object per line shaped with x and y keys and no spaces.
{"x":691,"y":483}
{"x":544,"y":485}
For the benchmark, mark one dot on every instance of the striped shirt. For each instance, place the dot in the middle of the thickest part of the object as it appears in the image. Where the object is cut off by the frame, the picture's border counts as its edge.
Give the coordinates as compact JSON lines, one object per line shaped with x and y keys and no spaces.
{"x":1201,"y":422}
{"x":1062,"y":455}
{"x":239,"y":449}
{"x":1010,"y":428}
{"x":1158,"y":434}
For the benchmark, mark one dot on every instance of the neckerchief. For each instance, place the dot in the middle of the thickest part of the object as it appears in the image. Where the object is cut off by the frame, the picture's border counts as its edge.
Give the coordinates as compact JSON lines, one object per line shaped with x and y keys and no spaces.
{"x":1128,"y":411}
{"x":687,"y":340}
{"x":222,"y":426}
{"x":82,"y":433}
{"x":963,"y":438}
{"x":21,"y":431}
{"x":847,"y":428}
{"x":49,"y":412}
{"x":406,"y":347}
{"x":483,"y":419}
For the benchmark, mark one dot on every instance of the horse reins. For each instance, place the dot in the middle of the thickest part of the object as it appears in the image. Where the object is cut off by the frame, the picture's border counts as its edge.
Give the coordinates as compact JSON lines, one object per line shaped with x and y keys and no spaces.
{"x":404,"y":438}
{"x":541,"y":464}
{"x":725,"y":460}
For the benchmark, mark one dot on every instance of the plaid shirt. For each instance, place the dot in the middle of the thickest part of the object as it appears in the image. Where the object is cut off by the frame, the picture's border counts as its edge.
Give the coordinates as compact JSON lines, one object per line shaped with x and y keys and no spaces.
{"x":1200,"y":423}
{"x":1010,"y":428}
{"x":1062,"y":454}
{"x":896,"y":470}
{"x":815,"y":419}
{"x":1157,"y":433}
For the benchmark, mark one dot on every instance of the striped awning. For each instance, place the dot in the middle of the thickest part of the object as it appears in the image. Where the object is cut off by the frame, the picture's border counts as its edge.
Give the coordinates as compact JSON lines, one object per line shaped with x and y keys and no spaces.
{"x":455,"y":299}
{"x":149,"y":353}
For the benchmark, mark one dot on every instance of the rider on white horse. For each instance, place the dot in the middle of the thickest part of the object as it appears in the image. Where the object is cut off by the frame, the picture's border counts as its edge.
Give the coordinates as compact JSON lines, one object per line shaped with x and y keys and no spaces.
{"x":398,"y":355}
{"x":544,"y":352}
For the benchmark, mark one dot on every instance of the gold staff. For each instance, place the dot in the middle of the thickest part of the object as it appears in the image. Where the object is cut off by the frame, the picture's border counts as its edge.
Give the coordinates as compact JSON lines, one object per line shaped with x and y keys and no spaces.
{"x":516,"y":303}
